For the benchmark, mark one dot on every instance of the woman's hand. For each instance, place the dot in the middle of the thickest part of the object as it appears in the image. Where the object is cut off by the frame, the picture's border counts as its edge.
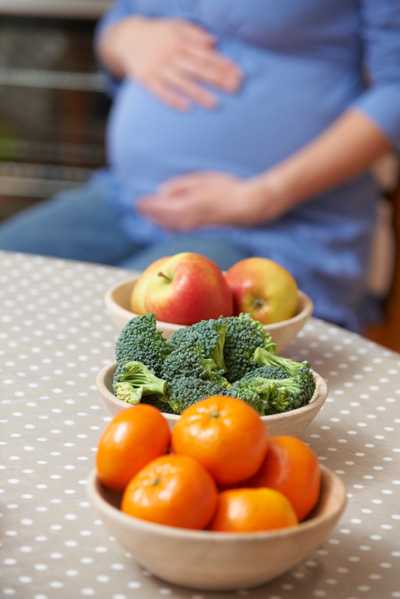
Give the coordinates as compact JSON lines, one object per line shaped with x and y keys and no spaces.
{"x":169,"y":57}
{"x":205,"y":199}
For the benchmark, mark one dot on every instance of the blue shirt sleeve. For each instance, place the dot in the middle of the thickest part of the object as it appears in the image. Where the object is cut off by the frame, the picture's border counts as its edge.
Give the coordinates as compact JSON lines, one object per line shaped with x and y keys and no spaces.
{"x":381,"y":36}
{"x":120,"y":10}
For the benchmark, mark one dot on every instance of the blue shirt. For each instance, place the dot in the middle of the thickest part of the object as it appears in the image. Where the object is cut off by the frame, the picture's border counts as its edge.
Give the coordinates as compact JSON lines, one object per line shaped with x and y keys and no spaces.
{"x":304,"y":64}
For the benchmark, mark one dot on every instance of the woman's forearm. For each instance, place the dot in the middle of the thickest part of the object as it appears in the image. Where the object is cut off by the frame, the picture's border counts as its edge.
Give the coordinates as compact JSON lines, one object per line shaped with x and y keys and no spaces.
{"x":347,"y":149}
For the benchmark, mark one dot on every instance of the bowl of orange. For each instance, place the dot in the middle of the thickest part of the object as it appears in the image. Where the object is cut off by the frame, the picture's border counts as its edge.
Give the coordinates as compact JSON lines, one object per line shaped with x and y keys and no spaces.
{"x":230,"y":508}
{"x":293,"y":422}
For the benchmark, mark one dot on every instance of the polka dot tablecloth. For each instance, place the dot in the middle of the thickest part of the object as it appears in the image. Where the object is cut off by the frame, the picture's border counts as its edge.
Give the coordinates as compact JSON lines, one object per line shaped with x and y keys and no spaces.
{"x":54,"y":337}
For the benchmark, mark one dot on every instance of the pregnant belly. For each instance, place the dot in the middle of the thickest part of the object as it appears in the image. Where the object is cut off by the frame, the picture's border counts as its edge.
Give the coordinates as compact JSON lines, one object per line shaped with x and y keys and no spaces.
{"x":280,"y":107}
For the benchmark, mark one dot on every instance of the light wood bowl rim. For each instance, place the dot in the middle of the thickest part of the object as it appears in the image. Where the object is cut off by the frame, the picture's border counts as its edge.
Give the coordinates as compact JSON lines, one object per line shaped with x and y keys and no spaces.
{"x":305,"y":311}
{"x":316,"y":402}
{"x":329,"y":480}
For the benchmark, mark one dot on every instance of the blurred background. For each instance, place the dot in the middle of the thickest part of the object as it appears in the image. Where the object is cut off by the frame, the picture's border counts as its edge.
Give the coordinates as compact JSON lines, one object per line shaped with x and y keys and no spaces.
{"x":52,"y":120}
{"x":52,"y":109}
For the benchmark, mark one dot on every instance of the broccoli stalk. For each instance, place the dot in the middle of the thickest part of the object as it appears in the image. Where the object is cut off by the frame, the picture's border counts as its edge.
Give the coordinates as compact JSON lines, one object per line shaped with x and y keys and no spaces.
{"x":135,"y":381}
{"x":264,"y":357}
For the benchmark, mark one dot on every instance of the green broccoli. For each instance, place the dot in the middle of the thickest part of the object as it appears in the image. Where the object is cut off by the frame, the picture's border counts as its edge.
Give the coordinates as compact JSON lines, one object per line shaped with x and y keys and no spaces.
{"x":159,"y":402}
{"x":141,"y":341}
{"x":252,"y":392}
{"x":243,"y":336}
{"x":294,"y":392}
{"x":209,"y":335}
{"x":281,"y":393}
{"x":267,"y":372}
{"x":185,"y":391}
{"x":135,"y":380}
{"x":264,"y":357}
{"x":188,"y":360}
{"x":300,"y":370}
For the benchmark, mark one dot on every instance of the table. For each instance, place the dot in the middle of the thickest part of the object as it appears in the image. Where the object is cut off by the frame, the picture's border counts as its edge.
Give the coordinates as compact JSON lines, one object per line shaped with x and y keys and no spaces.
{"x":54,"y":337}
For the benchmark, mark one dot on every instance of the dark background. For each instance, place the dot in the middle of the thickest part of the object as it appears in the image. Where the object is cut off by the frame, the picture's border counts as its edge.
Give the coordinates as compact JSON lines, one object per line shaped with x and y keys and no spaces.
{"x":52,"y":105}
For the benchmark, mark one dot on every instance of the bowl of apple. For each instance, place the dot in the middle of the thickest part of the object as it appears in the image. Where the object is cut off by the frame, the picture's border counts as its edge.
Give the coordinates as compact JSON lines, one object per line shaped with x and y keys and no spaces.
{"x":187,"y":288}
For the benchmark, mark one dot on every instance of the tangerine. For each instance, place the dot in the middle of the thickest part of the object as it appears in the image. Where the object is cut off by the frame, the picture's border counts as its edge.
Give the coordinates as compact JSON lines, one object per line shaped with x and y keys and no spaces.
{"x":292,"y":468}
{"x":132,"y":439}
{"x":225,"y":435}
{"x":252,"y":510}
{"x":174,"y":490}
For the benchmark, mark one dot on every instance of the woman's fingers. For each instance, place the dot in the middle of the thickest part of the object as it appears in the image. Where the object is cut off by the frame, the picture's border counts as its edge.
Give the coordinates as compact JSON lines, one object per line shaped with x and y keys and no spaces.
{"x":195,"y":35}
{"x":211,"y":67}
{"x":167,"y":95}
{"x":184,"y":85}
{"x":172,"y":214}
{"x":186,"y":183}
{"x":166,"y":214}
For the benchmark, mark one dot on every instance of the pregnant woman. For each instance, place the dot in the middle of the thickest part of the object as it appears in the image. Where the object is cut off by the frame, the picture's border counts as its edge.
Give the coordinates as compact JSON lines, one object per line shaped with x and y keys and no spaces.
{"x":238,"y":128}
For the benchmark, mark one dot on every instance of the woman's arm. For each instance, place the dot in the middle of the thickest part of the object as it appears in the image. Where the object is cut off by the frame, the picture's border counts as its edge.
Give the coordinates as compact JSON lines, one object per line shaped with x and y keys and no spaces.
{"x":347,"y":149}
{"x":365,"y":132}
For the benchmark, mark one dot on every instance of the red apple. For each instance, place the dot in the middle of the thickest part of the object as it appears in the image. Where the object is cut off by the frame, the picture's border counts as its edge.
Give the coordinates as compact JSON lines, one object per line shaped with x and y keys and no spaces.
{"x":138,"y":295}
{"x":183,"y":289}
{"x":264,"y":289}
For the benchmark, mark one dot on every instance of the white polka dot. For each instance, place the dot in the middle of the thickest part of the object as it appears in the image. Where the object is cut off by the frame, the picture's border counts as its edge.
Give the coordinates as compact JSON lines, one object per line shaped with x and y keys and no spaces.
{"x":40,"y":567}
{"x":134,"y":584}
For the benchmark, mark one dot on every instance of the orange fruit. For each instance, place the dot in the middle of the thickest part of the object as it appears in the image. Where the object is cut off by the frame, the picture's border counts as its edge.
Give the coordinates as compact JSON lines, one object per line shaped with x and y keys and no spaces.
{"x":172,"y":490}
{"x":132,"y":439}
{"x":252,"y":510}
{"x":292,"y":468}
{"x":225,"y":435}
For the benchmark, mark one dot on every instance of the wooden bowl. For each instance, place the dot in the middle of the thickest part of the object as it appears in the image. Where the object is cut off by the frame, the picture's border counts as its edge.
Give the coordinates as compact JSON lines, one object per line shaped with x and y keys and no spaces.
{"x":220,"y":561}
{"x":117,"y":301}
{"x":288,"y":423}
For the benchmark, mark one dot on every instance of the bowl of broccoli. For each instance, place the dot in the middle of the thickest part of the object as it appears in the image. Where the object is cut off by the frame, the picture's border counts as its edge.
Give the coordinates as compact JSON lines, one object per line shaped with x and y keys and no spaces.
{"x":231,"y":356}
{"x":117,"y":303}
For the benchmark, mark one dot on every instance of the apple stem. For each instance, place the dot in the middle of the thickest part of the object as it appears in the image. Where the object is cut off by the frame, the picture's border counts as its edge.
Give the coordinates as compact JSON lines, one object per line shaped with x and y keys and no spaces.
{"x":164,"y":276}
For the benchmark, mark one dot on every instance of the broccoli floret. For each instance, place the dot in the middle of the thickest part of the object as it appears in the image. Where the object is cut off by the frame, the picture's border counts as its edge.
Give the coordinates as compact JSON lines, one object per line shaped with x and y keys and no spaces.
{"x":243,"y":336}
{"x":288,"y":392}
{"x":293,"y":392}
{"x":187,"y":390}
{"x":209,"y":335}
{"x":267,"y":372}
{"x":188,"y":360}
{"x":135,"y":380}
{"x":251,"y":392}
{"x":301,"y":370}
{"x":159,"y":402}
{"x":268,"y":396}
{"x":141,"y":341}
